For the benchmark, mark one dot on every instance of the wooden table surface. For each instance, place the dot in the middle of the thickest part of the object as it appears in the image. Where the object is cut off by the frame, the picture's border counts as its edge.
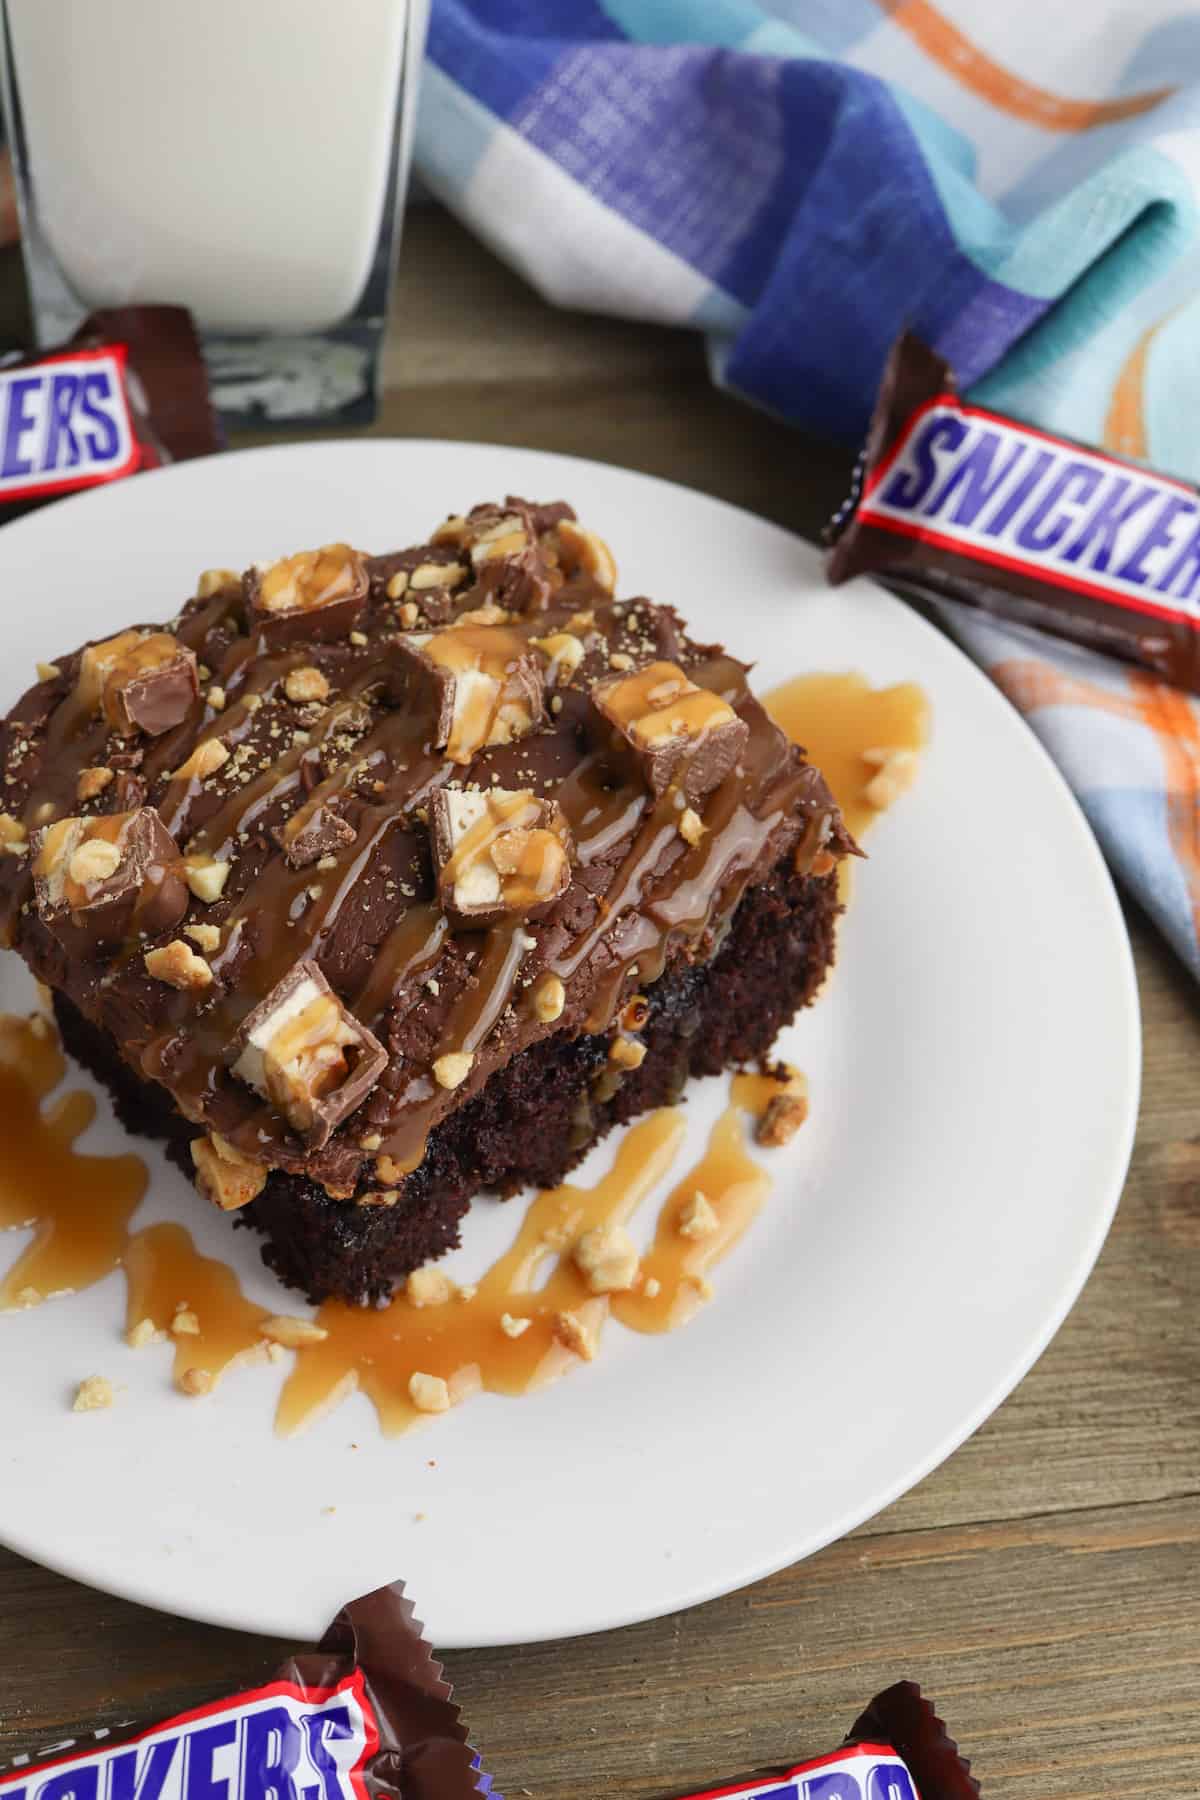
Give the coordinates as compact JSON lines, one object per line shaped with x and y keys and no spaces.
{"x":1044,"y":1584}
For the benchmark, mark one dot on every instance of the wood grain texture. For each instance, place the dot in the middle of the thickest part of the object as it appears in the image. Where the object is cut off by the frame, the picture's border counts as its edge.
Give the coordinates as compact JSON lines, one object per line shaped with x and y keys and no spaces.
{"x":1044,"y":1584}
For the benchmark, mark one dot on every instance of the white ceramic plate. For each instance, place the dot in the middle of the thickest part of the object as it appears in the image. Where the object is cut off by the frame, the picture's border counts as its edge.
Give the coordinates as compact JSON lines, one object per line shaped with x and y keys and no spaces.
{"x":974,"y":1076}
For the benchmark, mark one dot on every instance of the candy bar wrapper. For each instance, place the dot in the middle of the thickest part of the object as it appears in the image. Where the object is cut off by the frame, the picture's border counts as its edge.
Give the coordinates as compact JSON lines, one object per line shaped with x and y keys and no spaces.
{"x":897,"y":1749}
{"x":954,"y":500}
{"x":367,"y":1716}
{"x":129,"y":392}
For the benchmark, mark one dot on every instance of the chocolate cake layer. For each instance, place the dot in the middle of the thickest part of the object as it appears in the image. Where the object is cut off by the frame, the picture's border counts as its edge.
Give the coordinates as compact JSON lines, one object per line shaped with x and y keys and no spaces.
{"x":537,"y":1117}
{"x":350,"y":839}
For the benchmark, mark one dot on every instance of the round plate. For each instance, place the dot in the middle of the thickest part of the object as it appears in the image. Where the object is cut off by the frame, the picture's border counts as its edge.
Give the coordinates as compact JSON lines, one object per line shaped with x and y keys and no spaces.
{"x":974,"y":1077}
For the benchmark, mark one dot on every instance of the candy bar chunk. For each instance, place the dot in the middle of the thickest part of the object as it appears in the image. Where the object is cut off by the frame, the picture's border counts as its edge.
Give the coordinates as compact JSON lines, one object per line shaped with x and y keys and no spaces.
{"x":509,"y":565}
{"x":140,"y":680}
{"x":681,"y":733}
{"x":487,"y":685}
{"x":499,"y":854}
{"x":315,"y":595}
{"x":304,"y":1052}
{"x":98,"y":881}
{"x":312,"y":833}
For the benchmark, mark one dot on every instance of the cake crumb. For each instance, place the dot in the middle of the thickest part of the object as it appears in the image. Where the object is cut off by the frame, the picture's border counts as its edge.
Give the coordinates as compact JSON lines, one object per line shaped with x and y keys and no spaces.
{"x":514,"y":1327}
{"x":428,"y":1393}
{"x":95,"y":1394}
{"x":607,"y":1258}
{"x":781,"y":1121}
{"x":897,"y":772}
{"x":697,"y":1218}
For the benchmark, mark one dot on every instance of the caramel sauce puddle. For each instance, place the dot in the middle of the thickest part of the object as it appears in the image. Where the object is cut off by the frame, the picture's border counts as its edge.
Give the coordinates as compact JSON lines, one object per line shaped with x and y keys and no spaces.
{"x":81,"y":1205}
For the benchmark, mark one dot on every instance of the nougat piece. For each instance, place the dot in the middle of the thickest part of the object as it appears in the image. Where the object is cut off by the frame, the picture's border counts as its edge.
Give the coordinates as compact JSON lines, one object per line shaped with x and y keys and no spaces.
{"x":306,"y":1053}
{"x":499,"y":854}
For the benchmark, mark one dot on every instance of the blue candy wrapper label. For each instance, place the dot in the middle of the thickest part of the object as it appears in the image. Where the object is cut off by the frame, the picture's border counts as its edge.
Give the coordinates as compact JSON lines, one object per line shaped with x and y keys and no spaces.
{"x":280,"y":1742}
{"x":65,"y":424}
{"x":1005,"y":494}
{"x":863,"y":1772}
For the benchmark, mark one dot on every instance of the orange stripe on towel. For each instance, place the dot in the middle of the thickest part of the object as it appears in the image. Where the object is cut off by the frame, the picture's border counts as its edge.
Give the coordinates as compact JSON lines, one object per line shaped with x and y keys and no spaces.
{"x":973,"y":68}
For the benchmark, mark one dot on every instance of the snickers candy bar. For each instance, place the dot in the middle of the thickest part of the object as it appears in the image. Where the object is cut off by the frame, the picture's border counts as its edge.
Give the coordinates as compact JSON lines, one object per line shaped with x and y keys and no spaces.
{"x":499,"y":854}
{"x":98,"y":881}
{"x":682,"y":734}
{"x":366,"y":1716}
{"x":140,"y":680}
{"x":129,"y":392}
{"x":307,"y":1054}
{"x":952,"y":499}
{"x":313,"y":832}
{"x":314,"y":595}
{"x":897,"y":1749}
{"x":487,"y":685}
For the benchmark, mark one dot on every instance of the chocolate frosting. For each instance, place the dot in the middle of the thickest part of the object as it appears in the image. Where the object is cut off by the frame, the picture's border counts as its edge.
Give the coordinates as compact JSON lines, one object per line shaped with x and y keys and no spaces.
{"x":349,"y":777}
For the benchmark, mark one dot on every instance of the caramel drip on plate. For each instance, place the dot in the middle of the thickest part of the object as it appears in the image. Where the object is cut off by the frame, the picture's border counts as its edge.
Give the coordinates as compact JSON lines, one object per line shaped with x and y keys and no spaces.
{"x":79,"y":1205}
{"x":839,"y":717}
{"x":167,"y":1275}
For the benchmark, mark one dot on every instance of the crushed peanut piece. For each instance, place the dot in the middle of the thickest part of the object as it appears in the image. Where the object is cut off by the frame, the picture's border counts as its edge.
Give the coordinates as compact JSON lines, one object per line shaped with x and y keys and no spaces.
{"x":607,"y":1258}
{"x":92,"y":782}
{"x":205,"y":760}
{"x":428,"y":1393}
{"x":697,"y":1218}
{"x":691,"y":828}
{"x":143,"y":1333}
{"x":428,"y":1287}
{"x":48,"y":671}
{"x":207,"y":936}
{"x":216,"y":697}
{"x":378,"y":1197}
{"x":185,"y":1323}
{"x":206,"y":877}
{"x":467,"y":1291}
{"x":451,"y":1070}
{"x":196,"y":1382}
{"x":275,"y":1353}
{"x":93,"y":1395}
{"x":550,"y":996}
{"x":358,"y":639}
{"x":29,"y":1296}
{"x":397,"y":585}
{"x":653,"y":1288}
{"x":626,"y":1053}
{"x":432,"y":575}
{"x":388,"y":1170}
{"x":94,"y":861}
{"x":897,"y":772}
{"x":781,"y":1121}
{"x":514,"y":1327}
{"x":573,"y":1334}
{"x":292,"y":1333}
{"x":620,"y":659}
{"x":223,"y":1175}
{"x":212,"y":581}
{"x":13,"y":836}
{"x":372,"y":1141}
{"x":178,"y":965}
{"x":305,"y":684}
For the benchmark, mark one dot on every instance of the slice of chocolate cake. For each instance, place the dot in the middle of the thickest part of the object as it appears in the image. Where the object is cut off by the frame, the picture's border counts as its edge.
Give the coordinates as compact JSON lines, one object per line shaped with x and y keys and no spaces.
{"x":371,"y":883}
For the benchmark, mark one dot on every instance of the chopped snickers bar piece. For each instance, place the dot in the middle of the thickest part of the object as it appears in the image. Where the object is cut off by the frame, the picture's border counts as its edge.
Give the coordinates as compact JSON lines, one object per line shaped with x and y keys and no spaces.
{"x":140,"y":680}
{"x":304,"y":1052}
{"x":487,"y":685}
{"x":681,"y":733}
{"x":97,"y":881}
{"x":499,"y":854}
{"x":313,"y":596}
{"x":312,"y":833}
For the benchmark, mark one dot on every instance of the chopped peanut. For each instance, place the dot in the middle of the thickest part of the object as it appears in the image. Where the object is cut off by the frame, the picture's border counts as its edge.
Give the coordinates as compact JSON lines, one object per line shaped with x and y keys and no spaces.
{"x":292,"y":1333}
{"x":550,"y":996}
{"x":573,"y":1334}
{"x":428,"y":1393}
{"x":223,"y":1175}
{"x":207,"y":936}
{"x":607,"y":1258}
{"x":185,"y":1323}
{"x":92,"y":782}
{"x":781,"y":1121}
{"x":697,"y":1219}
{"x":514,"y":1327}
{"x":451,"y":1070}
{"x":196,"y":1382}
{"x":305,"y":684}
{"x":178,"y":965}
{"x":428,"y":1287}
{"x":897,"y":772}
{"x":13,"y":836}
{"x":213,"y":581}
{"x":204,"y":761}
{"x":94,"y":861}
{"x":691,"y":827}
{"x":626,"y":1053}
{"x":93,"y":1395}
{"x":206,"y":877}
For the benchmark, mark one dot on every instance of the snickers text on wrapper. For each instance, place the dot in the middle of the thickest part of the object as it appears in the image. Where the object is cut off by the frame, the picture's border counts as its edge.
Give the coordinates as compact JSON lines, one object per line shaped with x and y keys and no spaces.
{"x":864,"y":1772}
{"x":274,"y":1743}
{"x":960,"y":501}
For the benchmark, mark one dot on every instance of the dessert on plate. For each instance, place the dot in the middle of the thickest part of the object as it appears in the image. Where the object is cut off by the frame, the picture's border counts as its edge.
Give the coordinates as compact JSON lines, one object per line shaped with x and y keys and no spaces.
{"x":372,"y":883}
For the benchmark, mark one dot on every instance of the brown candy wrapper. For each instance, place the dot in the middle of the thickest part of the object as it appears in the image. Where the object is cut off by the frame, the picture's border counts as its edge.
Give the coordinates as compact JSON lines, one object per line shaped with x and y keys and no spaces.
{"x":129,"y":392}
{"x":951,"y":499}
{"x":897,"y":1749}
{"x":367,"y":1716}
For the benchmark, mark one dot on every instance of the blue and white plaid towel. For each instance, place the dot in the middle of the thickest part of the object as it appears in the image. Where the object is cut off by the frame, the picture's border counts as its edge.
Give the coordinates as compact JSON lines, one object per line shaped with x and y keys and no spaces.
{"x":799,"y":178}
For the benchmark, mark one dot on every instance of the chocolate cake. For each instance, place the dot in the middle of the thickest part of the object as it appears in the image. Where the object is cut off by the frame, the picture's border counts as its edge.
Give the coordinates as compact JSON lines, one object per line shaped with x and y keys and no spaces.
{"x":373,"y":883}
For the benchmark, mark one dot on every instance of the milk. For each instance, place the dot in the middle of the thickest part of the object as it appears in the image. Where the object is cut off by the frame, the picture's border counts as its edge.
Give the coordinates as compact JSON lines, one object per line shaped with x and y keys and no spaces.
{"x":230,"y":155}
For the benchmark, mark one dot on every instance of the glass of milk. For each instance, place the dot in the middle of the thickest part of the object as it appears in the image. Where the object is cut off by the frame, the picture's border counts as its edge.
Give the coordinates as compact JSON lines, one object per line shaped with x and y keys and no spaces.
{"x":244,"y":158}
